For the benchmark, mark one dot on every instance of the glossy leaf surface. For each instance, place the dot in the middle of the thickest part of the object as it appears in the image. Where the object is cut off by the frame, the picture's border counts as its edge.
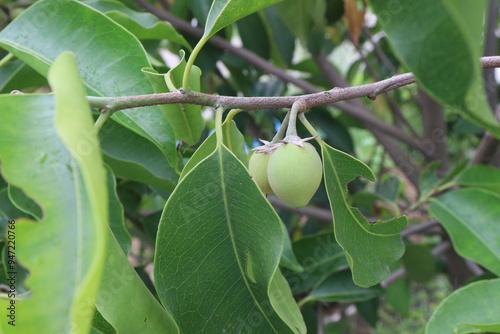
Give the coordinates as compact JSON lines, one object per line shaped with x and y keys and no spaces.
{"x":50,"y":151}
{"x":369,"y":248}
{"x":142,"y":25}
{"x":109,"y":59}
{"x":448,"y":46}
{"x":481,"y":176}
{"x":471,"y":218}
{"x":225,"y":12}
{"x":471,"y":309}
{"x":221,"y":241}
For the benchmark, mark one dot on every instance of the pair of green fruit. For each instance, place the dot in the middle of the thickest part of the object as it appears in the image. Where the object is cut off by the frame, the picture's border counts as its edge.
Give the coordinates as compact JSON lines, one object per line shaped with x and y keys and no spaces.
{"x":290,"y":170}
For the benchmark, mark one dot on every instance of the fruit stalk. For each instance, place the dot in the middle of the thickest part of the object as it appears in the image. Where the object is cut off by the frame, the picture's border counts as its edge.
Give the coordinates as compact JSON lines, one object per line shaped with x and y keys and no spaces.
{"x":297,"y":108}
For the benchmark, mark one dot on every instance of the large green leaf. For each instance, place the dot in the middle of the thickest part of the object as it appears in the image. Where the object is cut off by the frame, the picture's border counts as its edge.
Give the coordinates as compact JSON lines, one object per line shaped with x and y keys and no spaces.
{"x":300,"y":16}
{"x":142,"y":25}
{"x":225,"y":12}
{"x":121,"y":284}
{"x":398,"y":296}
{"x":369,"y":248}
{"x":254,"y":35}
{"x":481,"y":176}
{"x":16,"y":75}
{"x":340,"y":287}
{"x":115,"y":219}
{"x":133,"y":157}
{"x":233,"y":139}
{"x":419,"y":263}
{"x":185,"y":119}
{"x":319,"y":256}
{"x":50,"y":150}
{"x":288,"y":259}
{"x":471,"y":309}
{"x":123,"y":299}
{"x":471,"y":218}
{"x":444,"y":52}
{"x":217,"y":252}
{"x":24,"y":203}
{"x":109,"y":58}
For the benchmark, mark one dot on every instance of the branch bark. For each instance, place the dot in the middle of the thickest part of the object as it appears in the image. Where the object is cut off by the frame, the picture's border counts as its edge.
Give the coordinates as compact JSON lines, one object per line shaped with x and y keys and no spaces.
{"x":434,"y":130}
{"x":361,"y":114}
{"x":488,"y":151}
{"x":394,"y":149}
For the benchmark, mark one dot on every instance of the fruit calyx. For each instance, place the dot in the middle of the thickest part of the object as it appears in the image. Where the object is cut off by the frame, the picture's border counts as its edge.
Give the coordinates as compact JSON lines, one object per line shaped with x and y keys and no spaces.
{"x":294,"y":139}
{"x":267,"y":148}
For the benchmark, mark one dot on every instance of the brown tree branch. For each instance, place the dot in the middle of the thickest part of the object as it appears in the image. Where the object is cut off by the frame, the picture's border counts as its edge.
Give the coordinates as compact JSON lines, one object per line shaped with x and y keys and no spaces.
{"x":359,"y":113}
{"x":488,"y":151}
{"x":394,"y":149}
{"x":434,"y":130}
{"x":399,"y":118}
{"x":354,"y":110}
{"x":488,"y":148}
{"x":490,"y":49}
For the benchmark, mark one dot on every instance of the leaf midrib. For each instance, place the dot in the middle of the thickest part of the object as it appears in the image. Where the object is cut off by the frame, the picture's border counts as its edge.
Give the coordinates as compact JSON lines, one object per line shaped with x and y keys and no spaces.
{"x":220,"y":149}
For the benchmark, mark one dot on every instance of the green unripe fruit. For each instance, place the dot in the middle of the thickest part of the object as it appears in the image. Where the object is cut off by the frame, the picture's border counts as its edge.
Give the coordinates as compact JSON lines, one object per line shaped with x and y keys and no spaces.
{"x":295,"y":173}
{"x":257,"y":166}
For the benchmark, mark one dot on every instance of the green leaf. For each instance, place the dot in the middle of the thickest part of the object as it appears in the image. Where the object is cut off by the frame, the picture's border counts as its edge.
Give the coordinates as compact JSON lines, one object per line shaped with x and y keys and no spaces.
{"x":469,"y":217}
{"x":481,"y":176}
{"x":253,"y":35}
{"x":220,"y":240}
{"x":391,"y":188}
{"x":419,"y":263}
{"x":116,"y":222}
{"x":123,"y":299}
{"x":444,"y":52}
{"x":319,"y":255}
{"x":474,"y":328}
{"x":24,"y":203}
{"x":301,"y":16}
{"x":471,"y":309}
{"x":7,"y":211}
{"x":339,"y":286}
{"x":233,"y":139}
{"x":368,"y":309}
{"x":142,"y":25}
{"x":288,"y":259}
{"x":68,"y":245}
{"x":398,"y":296}
{"x":224,"y":12}
{"x":16,"y":75}
{"x":282,"y":40}
{"x":284,"y":304}
{"x":100,"y":325}
{"x":369,"y":248}
{"x":186,"y":119}
{"x":109,"y":59}
{"x":133,"y":157}
{"x":121,"y":283}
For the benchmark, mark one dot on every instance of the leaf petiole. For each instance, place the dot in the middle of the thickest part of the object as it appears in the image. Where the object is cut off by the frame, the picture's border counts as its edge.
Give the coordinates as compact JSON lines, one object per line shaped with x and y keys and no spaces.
{"x":6,"y":59}
{"x":190,"y":62}
{"x":218,"y":125}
